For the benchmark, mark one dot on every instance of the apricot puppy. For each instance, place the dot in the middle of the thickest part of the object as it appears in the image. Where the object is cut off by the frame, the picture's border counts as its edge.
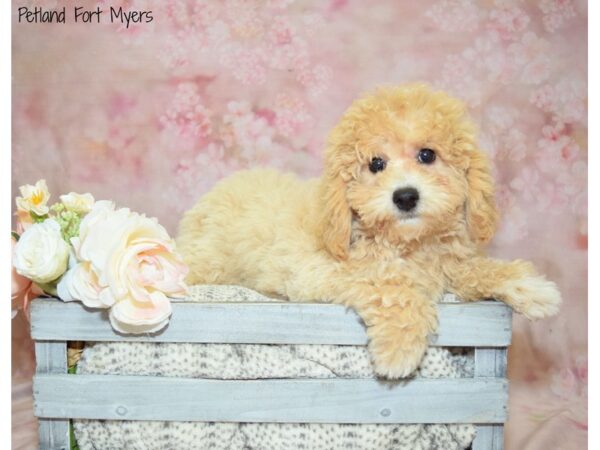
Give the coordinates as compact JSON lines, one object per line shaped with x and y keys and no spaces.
{"x":399,"y":216}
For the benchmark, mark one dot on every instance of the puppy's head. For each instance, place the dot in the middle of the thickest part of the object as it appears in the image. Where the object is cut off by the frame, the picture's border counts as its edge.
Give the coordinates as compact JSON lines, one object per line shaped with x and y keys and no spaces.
{"x":404,"y":164}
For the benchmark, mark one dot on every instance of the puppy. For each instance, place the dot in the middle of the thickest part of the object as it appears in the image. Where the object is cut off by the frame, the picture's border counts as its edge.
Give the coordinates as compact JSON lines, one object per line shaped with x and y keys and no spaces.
{"x":399,"y":216}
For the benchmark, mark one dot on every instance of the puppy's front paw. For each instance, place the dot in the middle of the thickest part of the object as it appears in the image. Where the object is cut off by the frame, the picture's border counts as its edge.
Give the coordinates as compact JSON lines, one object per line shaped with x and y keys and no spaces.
{"x":396,"y":353}
{"x":533,"y":296}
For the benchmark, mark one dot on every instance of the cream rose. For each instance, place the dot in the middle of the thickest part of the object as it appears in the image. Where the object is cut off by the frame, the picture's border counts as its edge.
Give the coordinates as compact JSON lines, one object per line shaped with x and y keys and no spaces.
{"x":23,"y":290}
{"x":81,"y":283}
{"x":79,"y":203}
{"x":34,"y":198}
{"x":41,"y":253}
{"x":127,"y":262}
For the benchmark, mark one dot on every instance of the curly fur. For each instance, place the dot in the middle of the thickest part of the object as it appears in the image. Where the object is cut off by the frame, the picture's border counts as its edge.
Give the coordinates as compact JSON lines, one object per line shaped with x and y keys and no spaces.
{"x":341,"y":239}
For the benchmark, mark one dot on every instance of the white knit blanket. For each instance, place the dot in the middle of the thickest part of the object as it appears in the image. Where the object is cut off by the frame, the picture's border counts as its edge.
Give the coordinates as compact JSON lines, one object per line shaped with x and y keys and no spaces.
{"x":251,"y":361}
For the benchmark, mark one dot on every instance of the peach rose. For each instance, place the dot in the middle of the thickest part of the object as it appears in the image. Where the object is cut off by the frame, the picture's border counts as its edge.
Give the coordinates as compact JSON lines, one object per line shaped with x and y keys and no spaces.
{"x":24,"y":221}
{"x":125,"y":261}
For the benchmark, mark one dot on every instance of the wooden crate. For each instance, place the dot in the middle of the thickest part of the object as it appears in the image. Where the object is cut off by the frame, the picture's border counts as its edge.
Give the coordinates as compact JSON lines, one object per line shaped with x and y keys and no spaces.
{"x":58,"y":396}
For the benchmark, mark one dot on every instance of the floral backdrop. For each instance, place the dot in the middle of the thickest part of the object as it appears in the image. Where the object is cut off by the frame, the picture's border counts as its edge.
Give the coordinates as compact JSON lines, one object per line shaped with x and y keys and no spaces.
{"x":153,"y":114}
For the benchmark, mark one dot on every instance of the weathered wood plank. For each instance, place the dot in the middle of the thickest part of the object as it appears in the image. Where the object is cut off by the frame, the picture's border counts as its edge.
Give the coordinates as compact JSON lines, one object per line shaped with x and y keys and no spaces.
{"x":490,"y":362}
{"x":282,"y":401}
{"x":51,"y":358}
{"x":489,"y":437}
{"x":460,"y":324}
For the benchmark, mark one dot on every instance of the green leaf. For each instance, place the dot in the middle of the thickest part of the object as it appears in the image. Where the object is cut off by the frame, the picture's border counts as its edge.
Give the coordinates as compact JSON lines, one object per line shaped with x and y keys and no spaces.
{"x":36,"y":218}
{"x":72,"y":370}
{"x":74,"y":445}
{"x":15,"y":235}
{"x":50,"y":287}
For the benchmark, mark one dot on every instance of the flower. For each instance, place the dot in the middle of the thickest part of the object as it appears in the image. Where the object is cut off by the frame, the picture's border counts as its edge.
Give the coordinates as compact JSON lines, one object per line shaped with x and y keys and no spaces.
{"x":68,"y":220}
{"x":556,"y":13}
{"x":80,"y":283}
{"x":22,"y":289}
{"x":187,"y":115}
{"x":41,"y":253}
{"x":455,"y":15}
{"x":508,"y":21}
{"x":126,"y":262}
{"x":78,"y":203}
{"x":34,"y":198}
{"x":24,"y":220}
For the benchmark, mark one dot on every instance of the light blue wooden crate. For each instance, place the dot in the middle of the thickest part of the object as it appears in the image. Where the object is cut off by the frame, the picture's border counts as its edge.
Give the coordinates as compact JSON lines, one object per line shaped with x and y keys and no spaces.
{"x":482,"y":400}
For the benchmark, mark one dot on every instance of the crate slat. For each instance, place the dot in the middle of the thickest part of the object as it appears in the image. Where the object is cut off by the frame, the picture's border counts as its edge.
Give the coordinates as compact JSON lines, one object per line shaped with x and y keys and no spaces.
{"x":490,"y":362}
{"x":51,"y":358}
{"x":467,"y":400}
{"x":485,"y":324}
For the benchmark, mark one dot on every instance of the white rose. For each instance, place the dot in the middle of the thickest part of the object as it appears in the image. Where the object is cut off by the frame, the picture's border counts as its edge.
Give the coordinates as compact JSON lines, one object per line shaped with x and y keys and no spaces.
{"x":41,"y":253}
{"x":79,"y":203}
{"x":34,"y":198}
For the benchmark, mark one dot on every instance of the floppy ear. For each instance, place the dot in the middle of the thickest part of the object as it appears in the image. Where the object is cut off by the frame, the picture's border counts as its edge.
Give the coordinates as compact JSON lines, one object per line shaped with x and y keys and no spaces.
{"x":336,"y":216}
{"x":481,"y":212}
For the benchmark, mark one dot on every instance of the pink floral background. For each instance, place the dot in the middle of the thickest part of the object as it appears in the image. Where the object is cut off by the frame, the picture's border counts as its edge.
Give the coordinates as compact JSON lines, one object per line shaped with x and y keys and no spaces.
{"x":154,"y":114}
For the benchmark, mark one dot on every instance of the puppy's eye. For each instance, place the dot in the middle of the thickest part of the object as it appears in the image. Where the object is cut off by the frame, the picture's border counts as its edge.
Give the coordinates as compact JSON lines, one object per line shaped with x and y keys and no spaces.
{"x":426,"y":156}
{"x":377,"y":165}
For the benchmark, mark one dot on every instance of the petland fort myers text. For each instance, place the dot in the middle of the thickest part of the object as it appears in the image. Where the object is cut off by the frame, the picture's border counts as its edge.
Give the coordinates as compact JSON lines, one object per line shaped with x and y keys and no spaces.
{"x":81,"y":14}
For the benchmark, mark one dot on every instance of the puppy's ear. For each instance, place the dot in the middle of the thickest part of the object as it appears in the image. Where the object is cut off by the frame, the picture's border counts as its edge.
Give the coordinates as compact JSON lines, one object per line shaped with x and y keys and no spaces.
{"x":336,"y":216}
{"x":481,"y":212}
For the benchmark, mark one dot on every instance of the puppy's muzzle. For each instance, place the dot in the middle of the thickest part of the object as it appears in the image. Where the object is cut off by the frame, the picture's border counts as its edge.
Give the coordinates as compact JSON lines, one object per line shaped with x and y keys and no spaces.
{"x":406,"y":199}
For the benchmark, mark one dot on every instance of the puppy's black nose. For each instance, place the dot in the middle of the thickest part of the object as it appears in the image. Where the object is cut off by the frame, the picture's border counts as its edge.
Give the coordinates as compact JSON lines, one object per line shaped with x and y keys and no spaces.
{"x":406,"y":198}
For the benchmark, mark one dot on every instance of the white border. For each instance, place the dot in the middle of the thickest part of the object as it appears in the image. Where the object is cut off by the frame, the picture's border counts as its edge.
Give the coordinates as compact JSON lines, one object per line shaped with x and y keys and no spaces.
{"x":5,"y":198}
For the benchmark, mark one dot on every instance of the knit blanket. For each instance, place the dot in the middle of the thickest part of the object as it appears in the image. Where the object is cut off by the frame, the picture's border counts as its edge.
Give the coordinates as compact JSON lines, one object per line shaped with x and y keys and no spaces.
{"x":252,"y":361}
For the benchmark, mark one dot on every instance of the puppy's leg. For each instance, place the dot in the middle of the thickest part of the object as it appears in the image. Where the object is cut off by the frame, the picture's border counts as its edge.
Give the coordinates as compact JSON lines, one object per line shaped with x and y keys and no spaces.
{"x":514,"y":282}
{"x":399,"y":320}
{"x":398,"y":312}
